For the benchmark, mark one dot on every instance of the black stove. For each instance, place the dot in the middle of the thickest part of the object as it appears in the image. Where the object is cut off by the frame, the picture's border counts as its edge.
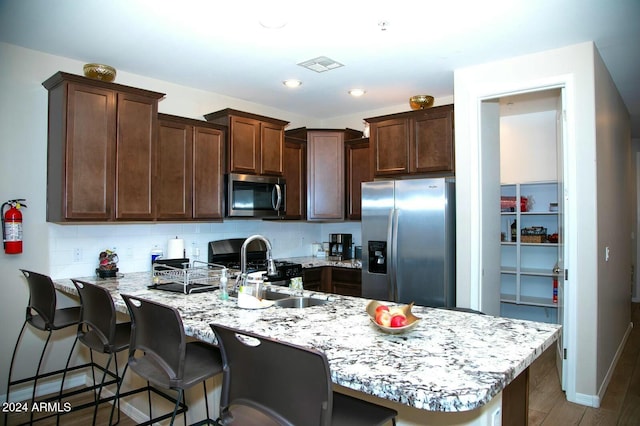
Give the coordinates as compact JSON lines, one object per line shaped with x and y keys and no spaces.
{"x":227,"y":253}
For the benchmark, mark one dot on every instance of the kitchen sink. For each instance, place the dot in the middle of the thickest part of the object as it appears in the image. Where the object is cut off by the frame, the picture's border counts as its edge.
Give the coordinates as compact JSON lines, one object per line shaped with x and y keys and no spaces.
{"x":300,"y":302}
{"x":274,"y":295}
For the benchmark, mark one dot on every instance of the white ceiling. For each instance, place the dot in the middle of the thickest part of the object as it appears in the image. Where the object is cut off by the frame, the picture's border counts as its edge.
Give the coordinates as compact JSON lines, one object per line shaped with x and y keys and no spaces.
{"x":220,"y":46}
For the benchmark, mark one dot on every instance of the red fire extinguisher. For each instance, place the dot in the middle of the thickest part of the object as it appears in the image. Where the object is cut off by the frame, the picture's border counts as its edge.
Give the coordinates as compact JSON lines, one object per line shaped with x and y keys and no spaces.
{"x":12,"y":226}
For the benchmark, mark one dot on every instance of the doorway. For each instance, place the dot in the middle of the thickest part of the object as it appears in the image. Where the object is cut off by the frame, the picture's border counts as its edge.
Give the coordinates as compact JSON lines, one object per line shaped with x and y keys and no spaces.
{"x":525,"y":266}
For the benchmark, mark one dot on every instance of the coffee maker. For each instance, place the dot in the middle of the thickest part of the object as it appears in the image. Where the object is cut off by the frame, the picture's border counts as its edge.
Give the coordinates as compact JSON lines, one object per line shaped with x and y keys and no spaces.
{"x":340,"y":247}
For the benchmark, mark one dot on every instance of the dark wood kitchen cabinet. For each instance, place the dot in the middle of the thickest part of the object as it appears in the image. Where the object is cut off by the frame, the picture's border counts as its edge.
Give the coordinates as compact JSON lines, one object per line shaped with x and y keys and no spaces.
{"x":295,"y":175}
{"x":332,"y":279}
{"x":357,"y":170}
{"x":414,"y":142}
{"x":255,"y":143}
{"x":101,"y":147}
{"x":346,"y":281}
{"x":317,"y":279}
{"x":325,"y":170}
{"x":189,"y":169}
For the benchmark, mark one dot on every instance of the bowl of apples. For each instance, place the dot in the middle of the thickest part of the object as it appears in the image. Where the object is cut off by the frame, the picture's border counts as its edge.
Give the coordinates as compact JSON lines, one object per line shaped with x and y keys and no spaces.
{"x":392,"y":319}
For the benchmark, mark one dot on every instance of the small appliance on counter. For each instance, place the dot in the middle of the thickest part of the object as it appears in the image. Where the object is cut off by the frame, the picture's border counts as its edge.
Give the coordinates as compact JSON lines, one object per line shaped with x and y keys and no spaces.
{"x":340,"y":247}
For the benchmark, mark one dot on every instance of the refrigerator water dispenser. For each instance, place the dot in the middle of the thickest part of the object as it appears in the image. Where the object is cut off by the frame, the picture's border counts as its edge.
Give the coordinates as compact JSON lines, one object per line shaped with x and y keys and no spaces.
{"x":378,"y":257}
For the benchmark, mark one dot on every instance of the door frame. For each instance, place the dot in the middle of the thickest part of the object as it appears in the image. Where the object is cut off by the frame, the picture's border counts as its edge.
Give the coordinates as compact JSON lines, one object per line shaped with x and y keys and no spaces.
{"x":478,"y":293}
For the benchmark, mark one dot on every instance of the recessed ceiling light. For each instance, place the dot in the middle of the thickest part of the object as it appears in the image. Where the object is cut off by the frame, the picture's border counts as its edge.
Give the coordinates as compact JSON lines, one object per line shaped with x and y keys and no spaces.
{"x":292,"y":83}
{"x":356,"y":92}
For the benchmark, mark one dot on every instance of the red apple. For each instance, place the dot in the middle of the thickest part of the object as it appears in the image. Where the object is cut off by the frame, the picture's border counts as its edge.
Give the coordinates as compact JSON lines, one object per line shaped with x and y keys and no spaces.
{"x":383,"y":318}
{"x":381,"y":308}
{"x":398,"y":320}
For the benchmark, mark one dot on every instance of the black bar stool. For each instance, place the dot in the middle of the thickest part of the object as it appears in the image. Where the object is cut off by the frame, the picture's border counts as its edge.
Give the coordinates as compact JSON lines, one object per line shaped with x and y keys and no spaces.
{"x":42,"y":314}
{"x":270,"y":382}
{"x":160,"y":354}
{"x":99,"y":330}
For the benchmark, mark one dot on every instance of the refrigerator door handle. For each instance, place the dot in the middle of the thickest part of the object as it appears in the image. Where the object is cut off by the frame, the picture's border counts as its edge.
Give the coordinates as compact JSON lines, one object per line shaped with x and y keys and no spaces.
{"x":392,"y":244}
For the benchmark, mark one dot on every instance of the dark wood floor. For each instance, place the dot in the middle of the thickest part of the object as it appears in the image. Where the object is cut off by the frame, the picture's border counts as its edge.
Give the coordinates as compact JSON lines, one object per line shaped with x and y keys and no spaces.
{"x":620,"y":405}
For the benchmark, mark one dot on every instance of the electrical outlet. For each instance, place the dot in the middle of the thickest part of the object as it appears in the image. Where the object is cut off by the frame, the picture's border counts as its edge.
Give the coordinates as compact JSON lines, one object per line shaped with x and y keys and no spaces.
{"x":77,"y":255}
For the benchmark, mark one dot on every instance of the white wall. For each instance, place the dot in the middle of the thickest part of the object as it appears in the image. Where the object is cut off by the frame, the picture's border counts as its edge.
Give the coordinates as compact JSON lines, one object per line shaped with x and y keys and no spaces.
{"x":573,"y":68}
{"x":356,"y":121}
{"x":528,"y":147}
{"x":615,"y":176}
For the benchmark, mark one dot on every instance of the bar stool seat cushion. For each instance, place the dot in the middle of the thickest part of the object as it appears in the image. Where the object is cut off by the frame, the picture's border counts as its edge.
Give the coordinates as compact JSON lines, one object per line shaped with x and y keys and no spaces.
{"x":92,"y":339}
{"x":199,"y":357}
{"x":64,"y":317}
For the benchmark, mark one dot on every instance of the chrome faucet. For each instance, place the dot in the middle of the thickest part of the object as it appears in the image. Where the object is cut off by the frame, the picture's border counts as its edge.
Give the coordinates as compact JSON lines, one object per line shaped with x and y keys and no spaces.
{"x":271,"y":266}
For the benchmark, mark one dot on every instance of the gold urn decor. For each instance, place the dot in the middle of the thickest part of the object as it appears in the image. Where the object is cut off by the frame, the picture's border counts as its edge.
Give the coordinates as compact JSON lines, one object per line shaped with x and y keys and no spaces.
{"x":421,"y":101}
{"x":100,"y":72}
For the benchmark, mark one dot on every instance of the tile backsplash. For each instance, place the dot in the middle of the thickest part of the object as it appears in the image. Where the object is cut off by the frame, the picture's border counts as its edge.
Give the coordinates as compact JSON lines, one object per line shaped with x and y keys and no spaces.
{"x":74,"y":249}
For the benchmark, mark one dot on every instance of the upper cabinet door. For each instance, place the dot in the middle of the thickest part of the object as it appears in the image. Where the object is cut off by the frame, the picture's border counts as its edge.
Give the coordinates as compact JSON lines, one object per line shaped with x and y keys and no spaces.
{"x":432,"y":147}
{"x":173,"y":170}
{"x":208,"y":173}
{"x":87,"y":148}
{"x":135,"y":151}
{"x":357,"y":171}
{"x":325,"y":171}
{"x":272,"y":149}
{"x":390,"y":153}
{"x":295,"y":175}
{"x":244,"y":146}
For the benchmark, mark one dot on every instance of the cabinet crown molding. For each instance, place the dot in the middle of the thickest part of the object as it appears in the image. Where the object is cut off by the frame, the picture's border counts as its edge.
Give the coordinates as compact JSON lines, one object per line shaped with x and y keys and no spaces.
{"x":61,"y":77}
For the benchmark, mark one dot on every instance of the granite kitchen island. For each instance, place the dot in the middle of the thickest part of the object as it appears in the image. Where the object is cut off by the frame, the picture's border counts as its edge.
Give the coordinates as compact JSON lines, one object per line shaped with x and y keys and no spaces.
{"x":451,"y":369}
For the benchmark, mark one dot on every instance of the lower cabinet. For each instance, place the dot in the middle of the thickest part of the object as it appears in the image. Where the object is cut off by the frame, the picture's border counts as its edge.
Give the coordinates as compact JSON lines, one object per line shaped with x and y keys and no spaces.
{"x":314,"y":279}
{"x":346,"y":281}
{"x":328,"y":279}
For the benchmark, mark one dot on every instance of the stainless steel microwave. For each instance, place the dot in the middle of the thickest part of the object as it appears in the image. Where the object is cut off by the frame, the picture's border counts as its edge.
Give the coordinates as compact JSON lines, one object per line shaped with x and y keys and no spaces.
{"x":255,"y":196}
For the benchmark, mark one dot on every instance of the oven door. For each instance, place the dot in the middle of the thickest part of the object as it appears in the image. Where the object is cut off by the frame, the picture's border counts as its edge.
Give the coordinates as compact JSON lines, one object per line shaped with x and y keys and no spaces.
{"x":255,"y":196}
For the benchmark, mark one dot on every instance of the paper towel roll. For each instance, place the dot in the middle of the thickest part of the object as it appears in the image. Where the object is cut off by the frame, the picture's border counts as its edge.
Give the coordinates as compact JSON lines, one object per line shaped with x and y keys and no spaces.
{"x":175,"y":248}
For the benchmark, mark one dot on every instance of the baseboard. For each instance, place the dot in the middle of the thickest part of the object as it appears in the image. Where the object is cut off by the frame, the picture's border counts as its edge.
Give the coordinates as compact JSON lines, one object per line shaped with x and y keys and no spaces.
{"x":614,"y":363}
{"x":588,"y":400}
{"x":126,"y":408}
{"x":46,"y":387}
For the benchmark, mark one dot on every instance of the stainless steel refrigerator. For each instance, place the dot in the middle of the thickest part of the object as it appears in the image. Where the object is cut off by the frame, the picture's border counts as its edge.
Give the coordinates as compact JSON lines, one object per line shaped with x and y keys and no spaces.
{"x":408,"y":241}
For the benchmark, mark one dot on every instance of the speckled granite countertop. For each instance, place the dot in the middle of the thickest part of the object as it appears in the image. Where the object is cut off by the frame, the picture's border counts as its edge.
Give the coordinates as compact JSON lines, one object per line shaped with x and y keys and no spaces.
{"x":314,"y":262}
{"x":452,"y":361}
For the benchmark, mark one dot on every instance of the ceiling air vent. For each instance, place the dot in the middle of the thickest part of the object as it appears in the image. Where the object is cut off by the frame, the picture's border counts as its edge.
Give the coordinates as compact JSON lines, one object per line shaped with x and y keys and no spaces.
{"x":321,"y":64}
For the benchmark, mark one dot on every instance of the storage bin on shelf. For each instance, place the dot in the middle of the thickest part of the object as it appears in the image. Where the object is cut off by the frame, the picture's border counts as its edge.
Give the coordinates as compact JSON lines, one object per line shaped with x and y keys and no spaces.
{"x":508,"y":204}
{"x":534,"y":234}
